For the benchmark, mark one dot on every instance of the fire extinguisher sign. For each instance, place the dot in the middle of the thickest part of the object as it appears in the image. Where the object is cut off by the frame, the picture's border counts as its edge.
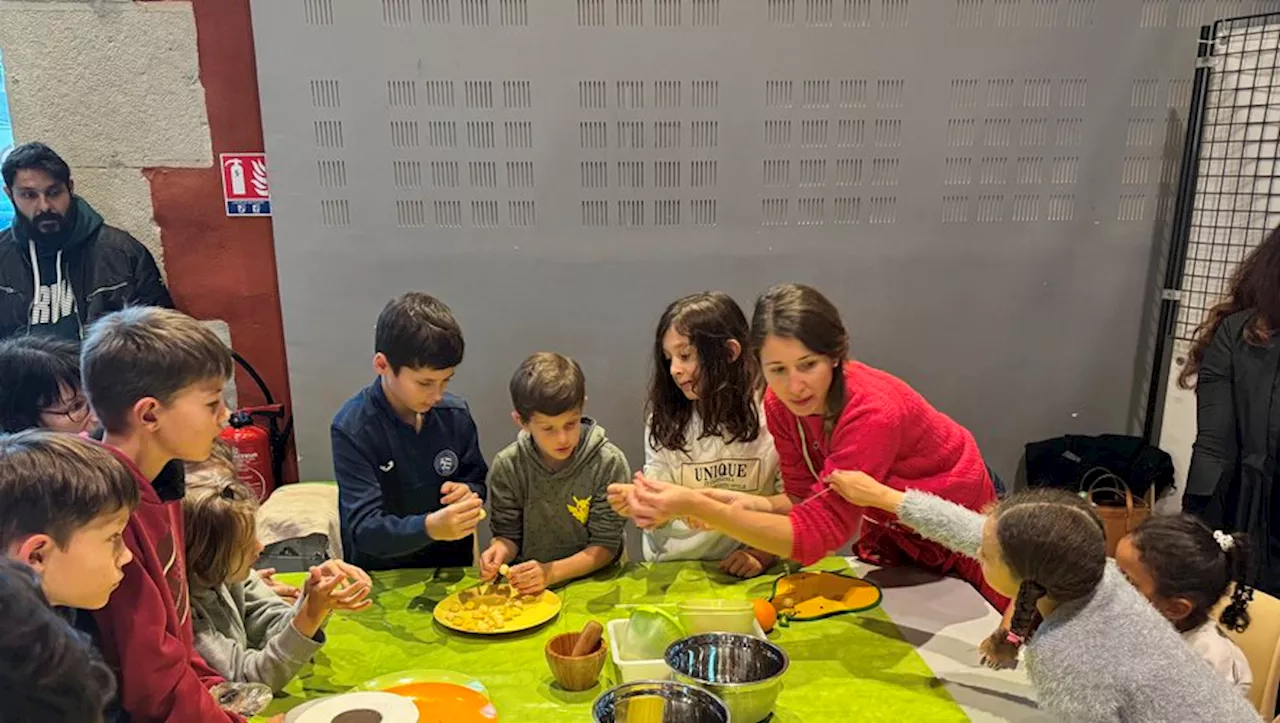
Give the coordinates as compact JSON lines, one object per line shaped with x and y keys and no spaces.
{"x":244,"y":184}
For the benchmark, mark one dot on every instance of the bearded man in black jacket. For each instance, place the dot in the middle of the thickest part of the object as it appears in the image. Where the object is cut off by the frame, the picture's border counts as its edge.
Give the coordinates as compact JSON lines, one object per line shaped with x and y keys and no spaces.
{"x":61,"y":266}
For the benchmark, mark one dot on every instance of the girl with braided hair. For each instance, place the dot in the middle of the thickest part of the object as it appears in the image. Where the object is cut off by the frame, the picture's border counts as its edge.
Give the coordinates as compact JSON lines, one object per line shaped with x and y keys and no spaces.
{"x":1096,"y":650}
{"x":1184,"y":568}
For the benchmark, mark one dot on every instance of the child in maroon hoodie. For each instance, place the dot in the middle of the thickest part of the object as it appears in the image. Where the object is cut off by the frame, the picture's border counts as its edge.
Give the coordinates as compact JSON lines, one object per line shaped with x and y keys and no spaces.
{"x":155,"y":377}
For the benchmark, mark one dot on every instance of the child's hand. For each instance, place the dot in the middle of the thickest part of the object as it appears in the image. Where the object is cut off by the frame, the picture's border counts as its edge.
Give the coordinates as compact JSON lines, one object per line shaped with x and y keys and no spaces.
{"x":619,"y":498}
{"x":991,"y":657}
{"x":645,"y":517}
{"x":451,"y":492}
{"x":530,"y":578}
{"x":492,"y":560}
{"x":747,"y":562}
{"x":334,"y":585}
{"x":862,"y":490}
{"x":288,"y":592}
{"x":353,"y":588}
{"x":656,"y":502}
{"x":456,"y":521}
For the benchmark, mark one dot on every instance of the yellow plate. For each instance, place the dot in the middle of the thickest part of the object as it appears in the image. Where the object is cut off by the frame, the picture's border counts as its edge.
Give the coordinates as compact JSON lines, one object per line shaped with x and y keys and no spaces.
{"x":450,"y":611}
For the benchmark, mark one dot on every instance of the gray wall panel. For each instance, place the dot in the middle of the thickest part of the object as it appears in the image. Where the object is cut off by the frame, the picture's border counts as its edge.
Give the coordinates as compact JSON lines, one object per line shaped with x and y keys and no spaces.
{"x":977,"y":183}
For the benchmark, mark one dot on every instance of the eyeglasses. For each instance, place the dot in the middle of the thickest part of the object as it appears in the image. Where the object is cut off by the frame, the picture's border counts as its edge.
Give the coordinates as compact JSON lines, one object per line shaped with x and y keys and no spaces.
{"x":75,"y":411}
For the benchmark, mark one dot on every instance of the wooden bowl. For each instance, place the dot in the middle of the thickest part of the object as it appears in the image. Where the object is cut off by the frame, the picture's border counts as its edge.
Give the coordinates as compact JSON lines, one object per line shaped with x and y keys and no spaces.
{"x":574,"y":673}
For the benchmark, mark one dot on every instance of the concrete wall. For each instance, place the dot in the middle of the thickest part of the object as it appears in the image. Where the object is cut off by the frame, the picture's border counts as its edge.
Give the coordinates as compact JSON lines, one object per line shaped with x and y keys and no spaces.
{"x":91,"y":80}
{"x":140,"y":98}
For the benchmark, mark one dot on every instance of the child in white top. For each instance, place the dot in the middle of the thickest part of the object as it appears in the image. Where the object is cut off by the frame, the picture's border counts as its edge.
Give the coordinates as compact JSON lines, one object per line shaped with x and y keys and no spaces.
{"x":705,"y":428}
{"x":1184,"y":569}
{"x":708,"y":462}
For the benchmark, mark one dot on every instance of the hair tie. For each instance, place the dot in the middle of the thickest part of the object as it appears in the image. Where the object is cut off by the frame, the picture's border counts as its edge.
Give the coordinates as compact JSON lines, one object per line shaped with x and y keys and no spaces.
{"x":1014,"y":639}
{"x":1225,"y":541}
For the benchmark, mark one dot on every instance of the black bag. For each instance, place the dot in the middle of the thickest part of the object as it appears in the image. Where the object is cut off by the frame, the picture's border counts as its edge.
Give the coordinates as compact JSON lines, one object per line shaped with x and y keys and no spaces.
{"x":296,"y":554}
{"x":1066,"y":462}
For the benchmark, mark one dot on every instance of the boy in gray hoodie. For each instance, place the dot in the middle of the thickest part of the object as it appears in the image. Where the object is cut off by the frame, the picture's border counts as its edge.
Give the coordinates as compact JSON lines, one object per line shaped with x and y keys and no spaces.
{"x":548,"y":489}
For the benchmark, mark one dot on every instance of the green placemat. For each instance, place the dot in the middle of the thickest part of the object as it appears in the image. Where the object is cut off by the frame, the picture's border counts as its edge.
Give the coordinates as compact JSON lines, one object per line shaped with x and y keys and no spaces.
{"x":852,"y":667}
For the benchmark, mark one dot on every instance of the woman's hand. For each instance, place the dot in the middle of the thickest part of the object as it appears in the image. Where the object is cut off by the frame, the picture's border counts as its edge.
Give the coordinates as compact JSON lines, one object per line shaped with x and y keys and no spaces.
{"x":738,"y":500}
{"x":654,"y":502}
{"x":862,"y":490}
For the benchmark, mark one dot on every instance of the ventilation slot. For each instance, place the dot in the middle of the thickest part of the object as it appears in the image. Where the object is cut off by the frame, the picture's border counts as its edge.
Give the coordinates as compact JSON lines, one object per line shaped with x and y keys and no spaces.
{"x":407,"y":174}
{"x":332,"y":174}
{"x":318,"y":12}
{"x":324,"y":94}
{"x":520,"y":174}
{"x":448,"y":214}
{"x":444,"y":174}
{"x":435,"y":12}
{"x":475,"y":13}
{"x":328,"y":133}
{"x":517,"y":94}
{"x":520,"y":214}
{"x":513,"y":13}
{"x":335,"y":213}
{"x":402,"y":94}
{"x":411,"y":214}
{"x":397,"y":13}
{"x":590,"y":15}
{"x":442,"y":135}
{"x":706,"y":14}
{"x":519,"y":134}
{"x":478,"y":93}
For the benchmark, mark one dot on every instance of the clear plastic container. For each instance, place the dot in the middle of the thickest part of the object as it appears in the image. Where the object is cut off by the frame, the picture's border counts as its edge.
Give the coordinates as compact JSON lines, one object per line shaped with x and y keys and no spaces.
{"x":633,"y":670}
{"x":717,"y":616}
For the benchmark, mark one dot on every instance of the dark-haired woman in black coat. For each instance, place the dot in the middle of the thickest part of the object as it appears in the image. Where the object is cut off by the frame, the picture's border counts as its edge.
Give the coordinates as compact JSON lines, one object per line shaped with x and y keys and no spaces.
{"x":1234,"y":368}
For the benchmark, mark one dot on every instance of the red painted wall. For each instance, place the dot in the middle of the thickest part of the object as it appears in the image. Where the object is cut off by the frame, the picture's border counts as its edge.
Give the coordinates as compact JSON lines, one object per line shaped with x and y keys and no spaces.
{"x":220,"y":267}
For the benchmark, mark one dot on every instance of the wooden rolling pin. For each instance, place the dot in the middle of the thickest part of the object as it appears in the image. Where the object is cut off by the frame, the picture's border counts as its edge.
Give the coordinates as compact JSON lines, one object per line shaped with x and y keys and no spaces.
{"x":587,"y":640}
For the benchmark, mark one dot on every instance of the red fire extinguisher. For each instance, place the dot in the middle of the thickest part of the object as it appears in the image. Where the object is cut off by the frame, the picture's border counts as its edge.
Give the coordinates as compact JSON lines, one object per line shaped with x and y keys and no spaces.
{"x":252,"y":446}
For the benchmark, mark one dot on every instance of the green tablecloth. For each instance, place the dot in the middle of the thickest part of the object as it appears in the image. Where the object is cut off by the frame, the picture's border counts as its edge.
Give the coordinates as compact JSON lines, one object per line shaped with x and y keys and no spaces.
{"x":847,"y":668}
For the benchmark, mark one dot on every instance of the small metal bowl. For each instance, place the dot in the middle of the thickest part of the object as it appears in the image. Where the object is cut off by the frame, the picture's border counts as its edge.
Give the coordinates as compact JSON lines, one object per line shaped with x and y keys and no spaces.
{"x":742,"y":670}
{"x":658,"y":701}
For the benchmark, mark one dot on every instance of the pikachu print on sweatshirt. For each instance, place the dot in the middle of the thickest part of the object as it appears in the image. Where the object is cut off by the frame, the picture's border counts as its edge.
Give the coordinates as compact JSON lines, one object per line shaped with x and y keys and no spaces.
{"x":580,"y":509}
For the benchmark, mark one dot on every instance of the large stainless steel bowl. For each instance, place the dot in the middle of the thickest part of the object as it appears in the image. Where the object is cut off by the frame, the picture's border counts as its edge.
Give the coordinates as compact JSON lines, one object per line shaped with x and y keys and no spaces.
{"x":742,"y":670}
{"x":658,"y":701}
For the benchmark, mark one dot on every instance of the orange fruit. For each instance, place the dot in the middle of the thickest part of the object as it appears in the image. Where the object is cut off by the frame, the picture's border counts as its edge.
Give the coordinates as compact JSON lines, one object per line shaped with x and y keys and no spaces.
{"x":765,"y":614}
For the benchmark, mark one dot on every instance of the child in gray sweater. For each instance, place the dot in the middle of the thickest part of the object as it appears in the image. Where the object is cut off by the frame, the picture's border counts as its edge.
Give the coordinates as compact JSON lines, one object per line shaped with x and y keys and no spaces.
{"x":549,"y":488}
{"x":1101,"y":652}
{"x":243,"y":629}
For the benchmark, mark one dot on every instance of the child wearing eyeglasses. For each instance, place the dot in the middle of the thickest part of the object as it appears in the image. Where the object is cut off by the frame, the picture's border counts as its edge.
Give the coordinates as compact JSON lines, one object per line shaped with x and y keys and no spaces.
{"x":40,"y":386}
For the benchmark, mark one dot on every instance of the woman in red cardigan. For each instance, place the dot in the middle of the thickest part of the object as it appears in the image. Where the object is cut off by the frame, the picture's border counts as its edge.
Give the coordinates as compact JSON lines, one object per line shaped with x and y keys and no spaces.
{"x":828,"y":413}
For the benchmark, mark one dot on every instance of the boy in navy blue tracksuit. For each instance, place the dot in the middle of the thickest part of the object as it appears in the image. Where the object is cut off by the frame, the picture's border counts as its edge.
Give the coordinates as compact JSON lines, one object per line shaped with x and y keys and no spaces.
{"x":405,"y":452}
